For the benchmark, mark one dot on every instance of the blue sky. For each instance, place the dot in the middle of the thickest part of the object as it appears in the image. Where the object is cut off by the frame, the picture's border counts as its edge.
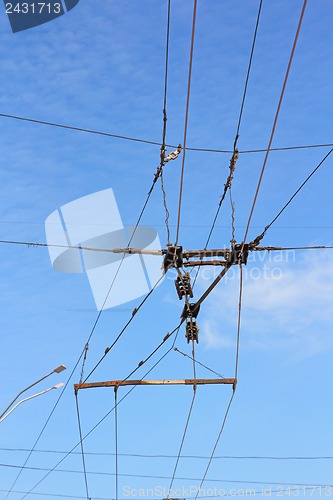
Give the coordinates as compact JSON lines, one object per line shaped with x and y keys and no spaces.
{"x":101,"y":67}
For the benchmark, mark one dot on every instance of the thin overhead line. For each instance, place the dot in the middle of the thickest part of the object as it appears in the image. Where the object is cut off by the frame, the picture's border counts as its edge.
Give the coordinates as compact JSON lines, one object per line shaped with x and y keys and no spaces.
{"x":186,"y":119}
{"x":108,"y":349}
{"x":187,"y":421}
{"x":235,"y":153}
{"x":82,"y":449}
{"x":150,"y":476}
{"x":86,"y":346}
{"x":155,"y":143}
{"x":288,"y":491}
{"x":235,"y":376}
{"x":158,"y":252}
{"x":239,"y":318}
{"x":196,"y":457}
{"x":260,"y":237}
{"x":275,"y":119}
{"x":197,"y":362}
{"x":248,"y":75}
{"x":165,"y":118}
{"x":182,"y":441}
{"x":116,"y":438}
{"x":47,"y":421}
{"x":79,"y":129}
{"x":216,"y":442}
{"x":109,"y":412}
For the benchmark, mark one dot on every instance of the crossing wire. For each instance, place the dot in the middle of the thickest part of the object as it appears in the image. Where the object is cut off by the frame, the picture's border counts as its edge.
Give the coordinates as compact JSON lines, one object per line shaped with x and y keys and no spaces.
{"x":165,"y":118}
{"x":246,"y":232}
{"x":158,"y":174}
{"x":112,"y":409}
{"x":108,"y":349}
{"x":288,"y":491}
{"x":82,"y":449}
{"x":186,"y":118}
{"x":235,"y":152}
{"x":116,"y":437}
{"x":86,"y":346}
{"x":197,"y":362}
{"x":187,"y":421}
{"x":150,"y":476}
{"x":248,"y":75}
{"x":199,"y":457}
{"x":235,"y":376}
{"x":260,"y":237}
{"x":275,"y":119}
{"x":154,"y":143}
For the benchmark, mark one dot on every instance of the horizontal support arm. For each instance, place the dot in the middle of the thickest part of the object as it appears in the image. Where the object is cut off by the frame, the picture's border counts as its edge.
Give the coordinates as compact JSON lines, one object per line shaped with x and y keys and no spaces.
{"x":188,"y":381}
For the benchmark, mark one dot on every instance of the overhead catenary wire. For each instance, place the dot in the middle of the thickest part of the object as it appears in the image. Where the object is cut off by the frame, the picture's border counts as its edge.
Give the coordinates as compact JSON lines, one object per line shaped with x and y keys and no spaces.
{"x":166,"y":337}
{"x":198,"y":362}
{"x":248,"y":75}
{"x":109,"y":348}
{"x":151,"y":476}
{"x":195,"y":457}
{"x":81,"y":445}
{"x":86,"y":346}
{"x":189,"y":78}
{"x":235,"y":384}
{"x":277,"y":113}
{"x":235,"y":153}
{"x":160,"y":252}
{"x":187,"y":422}
{"x":157,"y":174}
{"x":165,"y":118}
{"x":116,"y":439}
{"x":216,"y":442}
{"x":280,"y":491}
{"x":239,"y":318}
{"x":155,"y":143}
{"x":47,"y":421}
{"x":261,"y":236}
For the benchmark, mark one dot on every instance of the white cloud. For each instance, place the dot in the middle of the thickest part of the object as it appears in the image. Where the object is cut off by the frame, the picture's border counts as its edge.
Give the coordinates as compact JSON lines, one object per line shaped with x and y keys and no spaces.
{"x":285,"y":305}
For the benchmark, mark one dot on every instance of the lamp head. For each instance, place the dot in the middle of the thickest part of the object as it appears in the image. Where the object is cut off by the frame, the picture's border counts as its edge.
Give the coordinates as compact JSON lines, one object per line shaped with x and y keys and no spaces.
{"x":60,"y":369}
{"x":58,"y":385}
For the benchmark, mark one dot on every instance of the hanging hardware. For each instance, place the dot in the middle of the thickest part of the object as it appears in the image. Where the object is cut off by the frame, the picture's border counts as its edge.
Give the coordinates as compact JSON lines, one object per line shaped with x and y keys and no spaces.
{"x":173,"y":257}
{"x":192,"y":331}
{"x":183,"y":286}
{"x":191,"y":310}
{"x":239,"y":254}
{"x":173,"y":155}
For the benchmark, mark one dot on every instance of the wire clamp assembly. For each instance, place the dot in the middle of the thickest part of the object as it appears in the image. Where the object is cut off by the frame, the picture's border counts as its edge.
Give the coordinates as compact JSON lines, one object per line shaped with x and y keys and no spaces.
{"x":173,"y":155}
{"x":239,"y":254}
{"x":190,"y":312}
{"x":183,"y":286}
{"x":192,"y":331}
{"x":173,"y":257}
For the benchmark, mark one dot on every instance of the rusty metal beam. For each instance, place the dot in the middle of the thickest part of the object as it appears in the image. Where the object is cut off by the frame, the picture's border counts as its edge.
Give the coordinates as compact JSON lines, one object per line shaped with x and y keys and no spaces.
{"x":190,"y":381}
{"x":200,"y":263}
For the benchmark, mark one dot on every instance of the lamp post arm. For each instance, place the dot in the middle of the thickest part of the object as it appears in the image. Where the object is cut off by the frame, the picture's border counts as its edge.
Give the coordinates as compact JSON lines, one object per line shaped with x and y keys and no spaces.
{"x":56,"y":370}
{"x":3,"y":416}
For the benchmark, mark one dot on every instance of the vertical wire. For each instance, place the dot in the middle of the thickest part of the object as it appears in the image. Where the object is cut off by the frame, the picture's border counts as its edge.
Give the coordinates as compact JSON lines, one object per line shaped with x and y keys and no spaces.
{"x":81,"y":445}
{"x":239,"y":318}
{"x":235,"y":384}
{"x":186,"y":119}
{"x":163,"y":146}
{"x":275,"y":118}
{"x":116,"y":438}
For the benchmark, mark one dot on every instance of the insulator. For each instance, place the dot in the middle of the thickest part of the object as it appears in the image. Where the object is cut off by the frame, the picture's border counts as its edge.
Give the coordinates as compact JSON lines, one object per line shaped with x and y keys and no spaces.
{"x":192,"y":331}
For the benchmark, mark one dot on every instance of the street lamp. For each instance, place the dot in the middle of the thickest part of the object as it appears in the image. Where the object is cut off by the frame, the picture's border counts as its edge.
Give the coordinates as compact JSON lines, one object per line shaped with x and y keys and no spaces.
{"x":3,"y":416}
{"x":58,"y":369}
